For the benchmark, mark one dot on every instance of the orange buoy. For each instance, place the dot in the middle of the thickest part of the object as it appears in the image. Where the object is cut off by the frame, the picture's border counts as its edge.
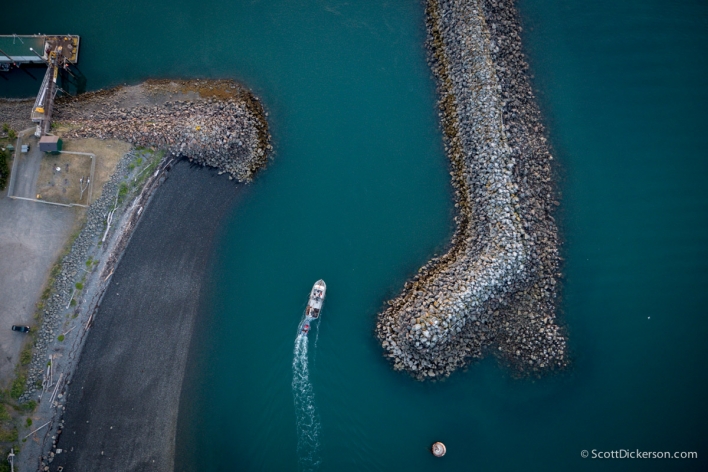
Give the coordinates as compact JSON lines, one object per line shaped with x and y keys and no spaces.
{"x":438,"y":449}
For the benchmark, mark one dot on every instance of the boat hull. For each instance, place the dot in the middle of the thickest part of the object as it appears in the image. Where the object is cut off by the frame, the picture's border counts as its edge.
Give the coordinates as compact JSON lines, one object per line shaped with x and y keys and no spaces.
{"x":313,"y":310}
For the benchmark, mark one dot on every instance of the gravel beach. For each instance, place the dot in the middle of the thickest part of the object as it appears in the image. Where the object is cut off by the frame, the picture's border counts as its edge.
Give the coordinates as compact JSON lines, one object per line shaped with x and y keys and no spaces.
{"x":122,"y":405}
{"x":109,"y":397}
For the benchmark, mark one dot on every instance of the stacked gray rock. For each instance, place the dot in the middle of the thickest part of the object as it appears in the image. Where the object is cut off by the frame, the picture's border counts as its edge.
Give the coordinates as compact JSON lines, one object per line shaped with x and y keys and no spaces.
{"x":496,"y":285}
{"x":16,"y":113}
{"x":228,"y":134}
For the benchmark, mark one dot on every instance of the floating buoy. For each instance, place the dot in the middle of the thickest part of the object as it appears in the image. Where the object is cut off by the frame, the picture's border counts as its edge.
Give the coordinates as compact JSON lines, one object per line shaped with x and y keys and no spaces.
{"x":438,"y":449}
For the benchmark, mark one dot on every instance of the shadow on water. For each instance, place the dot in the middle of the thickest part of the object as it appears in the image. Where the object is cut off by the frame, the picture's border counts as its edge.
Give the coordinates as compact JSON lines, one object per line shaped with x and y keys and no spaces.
{"x":74,"y":81}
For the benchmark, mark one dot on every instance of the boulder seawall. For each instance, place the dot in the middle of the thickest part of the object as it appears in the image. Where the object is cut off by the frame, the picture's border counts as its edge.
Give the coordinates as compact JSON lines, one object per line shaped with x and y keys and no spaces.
{"x":217,"y":123}
{"x":496,"y":287}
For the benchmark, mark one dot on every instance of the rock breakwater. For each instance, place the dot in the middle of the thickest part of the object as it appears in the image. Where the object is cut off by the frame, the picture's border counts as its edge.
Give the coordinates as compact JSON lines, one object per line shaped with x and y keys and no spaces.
{"x":215,"y":123}
{"x":496,"y":286}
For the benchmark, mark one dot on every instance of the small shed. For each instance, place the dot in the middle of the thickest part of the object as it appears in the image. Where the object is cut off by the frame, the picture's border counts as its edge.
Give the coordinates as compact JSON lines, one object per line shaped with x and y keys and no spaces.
{"x":50,"y":144}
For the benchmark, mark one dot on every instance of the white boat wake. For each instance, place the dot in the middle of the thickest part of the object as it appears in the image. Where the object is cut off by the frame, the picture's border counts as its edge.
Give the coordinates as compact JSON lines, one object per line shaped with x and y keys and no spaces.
{"x":308,"y":425}
{"x":317,"y":336}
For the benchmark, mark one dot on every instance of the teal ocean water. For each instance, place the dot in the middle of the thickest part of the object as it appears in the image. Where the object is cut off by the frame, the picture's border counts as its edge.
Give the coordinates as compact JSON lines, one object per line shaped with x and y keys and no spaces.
{"x":358,"y":194}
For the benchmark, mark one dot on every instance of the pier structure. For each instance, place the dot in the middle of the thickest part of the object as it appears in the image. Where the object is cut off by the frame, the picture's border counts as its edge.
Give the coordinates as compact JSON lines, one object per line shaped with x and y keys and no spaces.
{"x":57,"y":52}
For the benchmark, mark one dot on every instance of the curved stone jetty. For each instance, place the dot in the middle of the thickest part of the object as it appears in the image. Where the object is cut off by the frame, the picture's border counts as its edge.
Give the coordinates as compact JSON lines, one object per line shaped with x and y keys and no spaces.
{"x":496,"y":286}
{"x":217,"y":123}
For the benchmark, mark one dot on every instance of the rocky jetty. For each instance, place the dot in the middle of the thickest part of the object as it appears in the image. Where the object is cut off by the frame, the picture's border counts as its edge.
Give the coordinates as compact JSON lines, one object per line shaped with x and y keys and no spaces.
{"x":215,"y":123}
{"x":496,"y":288}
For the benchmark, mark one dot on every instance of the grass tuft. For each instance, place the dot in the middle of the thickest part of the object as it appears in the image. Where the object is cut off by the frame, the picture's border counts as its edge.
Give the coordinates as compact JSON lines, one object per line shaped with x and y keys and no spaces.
{"x":18,"y":386}
{"x":26,"y":354}
{"x":29,"y":406}
{"x":8,"y":435}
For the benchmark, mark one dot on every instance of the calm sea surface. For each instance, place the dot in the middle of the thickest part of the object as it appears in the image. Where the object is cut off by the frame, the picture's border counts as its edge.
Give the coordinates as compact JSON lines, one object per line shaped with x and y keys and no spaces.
{"x":358,"y":194}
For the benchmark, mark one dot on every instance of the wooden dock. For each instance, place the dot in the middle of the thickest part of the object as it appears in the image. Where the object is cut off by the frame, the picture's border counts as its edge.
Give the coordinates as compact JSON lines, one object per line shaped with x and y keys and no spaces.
{"x":57,"y":52}
{"x":18,"y":49}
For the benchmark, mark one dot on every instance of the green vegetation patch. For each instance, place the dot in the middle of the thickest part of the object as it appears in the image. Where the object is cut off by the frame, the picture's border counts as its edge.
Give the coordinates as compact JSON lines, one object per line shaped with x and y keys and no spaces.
{"x":123,"y":191}
{"x":4,"y":168}
{"x":18,"y":386}
{"x":26,"y":354}
{"x":8,"y":434}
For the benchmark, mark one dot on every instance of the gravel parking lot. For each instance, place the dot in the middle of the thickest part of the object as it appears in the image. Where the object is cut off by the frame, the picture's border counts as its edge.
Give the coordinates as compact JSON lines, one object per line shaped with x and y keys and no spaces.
{"x":32,"y":236}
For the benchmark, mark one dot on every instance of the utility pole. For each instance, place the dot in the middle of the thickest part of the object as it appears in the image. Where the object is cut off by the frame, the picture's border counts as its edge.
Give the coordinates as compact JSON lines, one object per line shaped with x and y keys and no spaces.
{"x":83,"y":187}
{"x":36,"y":54}
{"x":12,"y":63}
{"x":11,"y":459}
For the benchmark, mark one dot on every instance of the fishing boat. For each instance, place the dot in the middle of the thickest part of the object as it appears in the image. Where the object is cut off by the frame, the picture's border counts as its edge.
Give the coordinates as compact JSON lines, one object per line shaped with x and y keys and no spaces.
{"x":314,"y":305}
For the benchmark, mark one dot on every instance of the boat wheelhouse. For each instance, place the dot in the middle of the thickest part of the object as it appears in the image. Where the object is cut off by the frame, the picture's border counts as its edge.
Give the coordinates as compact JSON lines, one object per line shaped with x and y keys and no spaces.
{"x":317,"y":296}
{"x":314,"y":305}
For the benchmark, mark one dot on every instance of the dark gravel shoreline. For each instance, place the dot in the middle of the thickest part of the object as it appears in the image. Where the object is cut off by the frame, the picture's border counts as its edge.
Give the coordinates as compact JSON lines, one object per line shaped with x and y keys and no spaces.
{"x":117,"y":407}
{"x":496,"y":288}
{"x":122,"y":403}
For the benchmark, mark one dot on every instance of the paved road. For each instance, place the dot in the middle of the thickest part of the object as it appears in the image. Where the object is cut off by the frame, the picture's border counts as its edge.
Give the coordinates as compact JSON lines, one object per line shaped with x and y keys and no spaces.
{"x":123,"y":400}
{"x":27,"y":170}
